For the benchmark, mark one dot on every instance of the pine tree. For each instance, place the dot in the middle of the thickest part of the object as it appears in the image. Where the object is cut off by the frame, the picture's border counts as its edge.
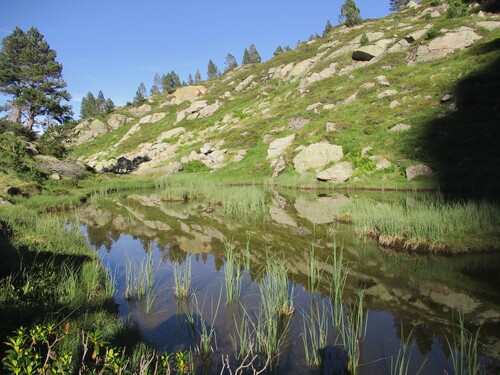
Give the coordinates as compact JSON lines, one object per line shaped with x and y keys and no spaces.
{"x":230,"y":63}
{"x":254,"y":55}
{"x":197,"y":76}
{"x":30,"y":74}
{"x":246,"y":58}
{"x":190,"y":79}
{"x":395,"y":5}
{"x":154,"y":90}
{"x":157,"y":82}
{"x":279,"y":51}
{"x":109,"y":106}
{"x":287,"y":49}
{"x":328,"y":28}
{"x":213,"y":71}
{"x":349,"y":13}
{"x":140,"y":94}
{"x":89,"y":106}
{"x":99,"y":104}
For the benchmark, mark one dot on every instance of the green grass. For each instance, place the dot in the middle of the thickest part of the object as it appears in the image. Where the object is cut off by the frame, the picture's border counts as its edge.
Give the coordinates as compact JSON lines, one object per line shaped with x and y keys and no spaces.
{"x":429,"y":223}
{"x":232,"y":273}
{"x":182,"y":279}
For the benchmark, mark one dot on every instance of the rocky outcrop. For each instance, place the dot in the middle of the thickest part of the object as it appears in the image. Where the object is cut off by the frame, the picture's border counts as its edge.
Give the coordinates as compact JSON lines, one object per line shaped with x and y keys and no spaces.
{"x":317,"y":156}
{"x":61,"y":168}
{"x":198,"y":109}
{"x":339,"y":172}
{"x":278,"y":146}
{"x":117,"y":120}
{"x":155,"y":117}
{"x":139,"y":111}
{"x":446,"y":44}
{"x":124,"y":165}
{"x":417,"y":170}
{"x":188,"y":93}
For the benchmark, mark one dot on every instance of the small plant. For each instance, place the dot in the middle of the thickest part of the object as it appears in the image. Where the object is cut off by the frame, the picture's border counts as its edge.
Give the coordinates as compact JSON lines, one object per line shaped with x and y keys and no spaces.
{"x":182,"y":279}
{"x":232,"y":272}
{"x":400,"y":365}
{"x":354,"y":332}
{"x":464,"y":349}
{"x":364,"y":40}
{"x":337,"y":286}
{"x":433,"y":32}
{"x":195,"y":166}
{"x":456,"y":8}
{"x":315,"y":333}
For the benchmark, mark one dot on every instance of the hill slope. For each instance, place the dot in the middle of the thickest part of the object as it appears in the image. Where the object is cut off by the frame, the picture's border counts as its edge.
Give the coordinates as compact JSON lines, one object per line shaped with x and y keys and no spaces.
{"x":416,"y":106}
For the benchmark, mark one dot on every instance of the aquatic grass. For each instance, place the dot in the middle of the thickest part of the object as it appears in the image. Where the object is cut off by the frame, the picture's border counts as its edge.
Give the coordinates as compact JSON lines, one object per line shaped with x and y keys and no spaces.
{"x":244,"y":341}
{"x":353,"y":333}
{"x":314,"y":272}
{"x":182,"y":278}
{"x":337,"y":286}
{"x":428,"y":222}
{"x":464,"y":349}
{"x":315,"y":333}
{"x":232,"y":273}
{"x":139,"y":278}
{"x":203,"y":334}
{"x":401,"y":364}
{"x":247,"y":257}
{"x":276,"y":290}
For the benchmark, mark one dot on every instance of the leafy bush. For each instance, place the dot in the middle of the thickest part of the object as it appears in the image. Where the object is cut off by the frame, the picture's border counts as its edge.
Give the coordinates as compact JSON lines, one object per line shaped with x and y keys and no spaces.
{"x":433,"y":32}
{"x":456,"y":9}
{"x":195,"y":166}
{"x":364,"y":40}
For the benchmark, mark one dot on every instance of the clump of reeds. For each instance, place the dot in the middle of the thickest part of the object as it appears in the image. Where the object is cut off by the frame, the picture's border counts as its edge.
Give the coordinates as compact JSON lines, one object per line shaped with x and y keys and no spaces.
{"x":401,"y":363}
{"x":315,"y":334}
{"x":337,"y":286}
{"x":232,"y":273}
{"x":182,"y":279}
{"x":464,"y":349}
{"x":353,"y":333}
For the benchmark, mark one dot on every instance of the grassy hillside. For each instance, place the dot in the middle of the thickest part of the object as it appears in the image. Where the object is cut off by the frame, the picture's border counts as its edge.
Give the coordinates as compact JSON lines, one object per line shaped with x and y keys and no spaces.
{"x":456,"y":138}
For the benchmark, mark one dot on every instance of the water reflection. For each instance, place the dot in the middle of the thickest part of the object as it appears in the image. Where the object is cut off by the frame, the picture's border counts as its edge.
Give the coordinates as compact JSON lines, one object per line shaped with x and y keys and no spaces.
{"x":403,"y":294}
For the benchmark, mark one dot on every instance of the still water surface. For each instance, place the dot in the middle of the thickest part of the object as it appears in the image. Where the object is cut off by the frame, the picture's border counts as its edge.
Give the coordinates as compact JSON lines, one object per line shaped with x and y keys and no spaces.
{"x":403,"y":294}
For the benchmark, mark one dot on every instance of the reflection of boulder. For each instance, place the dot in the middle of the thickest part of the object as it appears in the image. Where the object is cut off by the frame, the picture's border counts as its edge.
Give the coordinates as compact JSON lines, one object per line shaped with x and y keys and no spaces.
{"x":321,"y":210}
{"x":281,"y":217}
{"x":443,"y":295}
{"x":192,"y":245}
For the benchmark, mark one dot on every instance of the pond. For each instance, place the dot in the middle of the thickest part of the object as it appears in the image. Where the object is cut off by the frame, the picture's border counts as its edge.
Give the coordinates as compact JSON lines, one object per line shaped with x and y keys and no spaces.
{"x":273,"y":273}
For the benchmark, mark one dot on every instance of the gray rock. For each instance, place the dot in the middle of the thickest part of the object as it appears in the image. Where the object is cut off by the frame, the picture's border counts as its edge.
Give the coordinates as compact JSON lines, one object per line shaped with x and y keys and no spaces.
{"x":188,"y":93}
{"x":489,"y":25}
{"x":366,"y":53}
{"x":386,"y":93}
{"x":339,"y":172}
{"x":279,"y":166}
{"x":297,"y":123}
{"x":278,"y":146}
{"x":171,"y":133}
{"x":394,"y":104}
{"x":417,"y":170}
{"x":117,"y":120}
{"x":98,"y":127}
{"x":446,"y":98}
{"x":400,"y":128}
{"x":413,"y":37}
{"x":400,"y":46}
{"x":447,"y":44}
{"x":155,"y":117}
{"x":281,"y":217}
{"x":331,"y":127}
{"x":139,"y":111}
{"x":383,"y":81}
{"x":55,"y":176}
{"x":317,"y":156}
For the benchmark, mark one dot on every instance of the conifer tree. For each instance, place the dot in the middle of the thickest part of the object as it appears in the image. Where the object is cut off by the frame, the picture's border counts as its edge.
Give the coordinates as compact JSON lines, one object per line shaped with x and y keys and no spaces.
{"x":140,"y":94}
{"x":246,"y":58}
{"x":109,"y":106}
{"x":197,"y":76}
{"x":278,"y":51}
{"x":190,"y":79}
{"x":349,"y":14}
{"x":230,"y":63}
{"x":254,"y":55}
{"x":157,"y":82}
{"x":287,"y":49}
{"x":395,"y":5}
{"x":99,"y":104}
{"x":328,"y":28}
{"x":154,"y":90}
{"x":30,"y":74}
{"x":213,"y":71}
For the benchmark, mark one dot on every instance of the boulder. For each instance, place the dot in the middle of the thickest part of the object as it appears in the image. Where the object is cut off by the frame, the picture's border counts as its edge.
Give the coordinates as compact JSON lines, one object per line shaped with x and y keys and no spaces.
{"x":117,"y":120}
{"x":301,"y":69}
{"x":317,"y":156}
{"x":155,"y":117}
{"x":98,"y":127}
{"x":278,"y":146}
{"x":171,"y":133}
{"x":366,"y":53}
{"x":383,"y":81}
{"x":245,"y":83}
{"x":188,"y":93}
{"x":209,"y":110}
{"x":446,"y":44}
{"x":331,"y":127}
{"x":55,"y":176}
{"x":400,"y":46}
{"x":65,"y":168}
{"x":139,"y":111}
{"x":279,"y":166}
{"x":400,"y":128}
{"x":297,"y":123}
{"x":489,"y":25}
{"x":386,"y":93}
{"x":417,"y":170}
{"x":339,"y":172}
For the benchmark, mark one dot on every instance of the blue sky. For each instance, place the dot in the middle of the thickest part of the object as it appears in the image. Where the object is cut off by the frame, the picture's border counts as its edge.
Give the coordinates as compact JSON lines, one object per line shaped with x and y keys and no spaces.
{"x":113,"y":46}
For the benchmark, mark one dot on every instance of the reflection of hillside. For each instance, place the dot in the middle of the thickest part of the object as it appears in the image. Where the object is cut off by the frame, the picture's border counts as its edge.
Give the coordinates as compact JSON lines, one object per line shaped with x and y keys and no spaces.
{"x":423,"y":290}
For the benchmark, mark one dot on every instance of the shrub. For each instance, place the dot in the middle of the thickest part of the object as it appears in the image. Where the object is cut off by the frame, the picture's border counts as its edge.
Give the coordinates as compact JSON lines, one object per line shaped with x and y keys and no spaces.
{"x":364,"y":40}
{"x":456,"y":9}
{"x":195,"y":166}
{"x":433,"y":32}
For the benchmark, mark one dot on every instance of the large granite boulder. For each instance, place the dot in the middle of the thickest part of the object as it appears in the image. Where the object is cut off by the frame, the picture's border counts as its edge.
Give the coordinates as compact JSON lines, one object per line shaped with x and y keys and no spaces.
{"x":188,"y":93}
{"x":278,"y":146}
{"x":317,"y":156}
{"x":339,"y":172}
{"x":417,"y":170}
